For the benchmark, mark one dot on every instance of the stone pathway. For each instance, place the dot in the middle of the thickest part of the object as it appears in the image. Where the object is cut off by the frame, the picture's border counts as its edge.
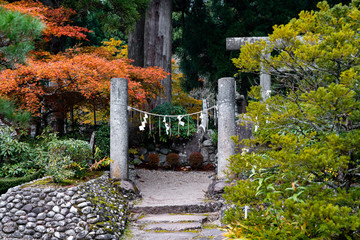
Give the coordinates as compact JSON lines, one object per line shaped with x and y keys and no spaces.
{"x":174,"y":207}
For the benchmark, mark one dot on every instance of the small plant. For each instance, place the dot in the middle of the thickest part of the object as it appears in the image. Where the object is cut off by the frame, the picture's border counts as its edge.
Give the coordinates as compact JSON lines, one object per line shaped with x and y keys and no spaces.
{"x":103,"y":163}
{"x":153,"y":160}
{"x":196,"y":160}
{"x":173,"y":160}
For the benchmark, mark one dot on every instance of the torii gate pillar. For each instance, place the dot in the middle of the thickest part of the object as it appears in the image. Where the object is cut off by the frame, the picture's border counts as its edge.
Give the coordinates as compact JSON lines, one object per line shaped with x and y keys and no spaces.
{"x":226,"y":123}
{"x":265,"y":78}
{"x":119,"y":128}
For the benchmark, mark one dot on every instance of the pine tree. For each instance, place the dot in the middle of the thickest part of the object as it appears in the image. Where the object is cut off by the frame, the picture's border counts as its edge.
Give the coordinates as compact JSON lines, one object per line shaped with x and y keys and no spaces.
{"x":17,"y":34}
{"x":301,"y":178}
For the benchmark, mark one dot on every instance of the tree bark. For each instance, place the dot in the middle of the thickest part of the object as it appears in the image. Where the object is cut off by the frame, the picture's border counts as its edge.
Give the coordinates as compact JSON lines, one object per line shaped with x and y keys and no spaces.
{"x":157,"y":41}
{"x":136,"y":44}
{"x":150,"y":42}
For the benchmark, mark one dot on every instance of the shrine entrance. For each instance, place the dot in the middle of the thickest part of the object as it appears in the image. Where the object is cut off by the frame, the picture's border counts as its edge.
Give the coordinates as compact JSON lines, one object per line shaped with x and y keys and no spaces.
{"x":119,"y":146}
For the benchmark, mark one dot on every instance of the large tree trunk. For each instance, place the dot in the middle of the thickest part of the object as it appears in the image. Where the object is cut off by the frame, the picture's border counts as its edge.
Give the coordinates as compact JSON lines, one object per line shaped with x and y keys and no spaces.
{"x":136,"y":44}
{"x":157,"y":43}
{"x":150,"y":42}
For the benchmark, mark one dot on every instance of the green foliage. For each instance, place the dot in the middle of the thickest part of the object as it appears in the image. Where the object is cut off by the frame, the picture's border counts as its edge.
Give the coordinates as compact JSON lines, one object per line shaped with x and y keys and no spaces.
{"x":68,"y":158}
{"x":11,"y":116}
{"x":196,"y":160}
{"x":177,"y":131}
{"x":7,"y":183}
{"x":102,"y":140}
{"x":17,"y":159}
{"x":302,"y":179}
{"x":173,"y":160}
{"x":107,"y":19}
{"x":17,"y":33}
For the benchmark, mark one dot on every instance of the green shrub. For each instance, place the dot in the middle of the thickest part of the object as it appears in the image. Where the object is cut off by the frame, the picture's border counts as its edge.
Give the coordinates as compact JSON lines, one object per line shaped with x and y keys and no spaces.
{"x":60,"y":168}
{"x":17,"y":159}
{"x":153,"y":160}
{"x":173,"y":160}
{"x":102,"y":140}
{"x":177,"y":131}
{"x":302,"y":179}
{"x":6,"y":183}
{"x":196,"y":160}
{"x":70,"y":155}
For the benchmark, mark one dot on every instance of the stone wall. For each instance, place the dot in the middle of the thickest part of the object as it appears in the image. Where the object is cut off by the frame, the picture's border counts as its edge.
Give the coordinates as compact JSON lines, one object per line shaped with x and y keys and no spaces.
{"x":200,"y":142}
{"x":93,"y":210}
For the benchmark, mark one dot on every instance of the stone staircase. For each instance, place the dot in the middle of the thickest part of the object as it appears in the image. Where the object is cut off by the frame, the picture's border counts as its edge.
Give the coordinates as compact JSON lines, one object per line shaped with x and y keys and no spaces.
{"x":178,"y":215}
{"x":174,"y":227}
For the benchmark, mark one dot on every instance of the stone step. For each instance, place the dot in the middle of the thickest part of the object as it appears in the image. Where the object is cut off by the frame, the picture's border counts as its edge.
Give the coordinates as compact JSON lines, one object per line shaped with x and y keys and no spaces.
{"x":187,"y":208}
{"x":165,"y":236}
{"x":170,"y":218}
{"x":172,"y":227}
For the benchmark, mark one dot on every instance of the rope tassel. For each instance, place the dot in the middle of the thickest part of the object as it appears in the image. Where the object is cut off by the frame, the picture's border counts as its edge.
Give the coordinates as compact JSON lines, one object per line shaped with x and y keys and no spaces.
{"x":143,"y":123}
{"x":167,"y":128}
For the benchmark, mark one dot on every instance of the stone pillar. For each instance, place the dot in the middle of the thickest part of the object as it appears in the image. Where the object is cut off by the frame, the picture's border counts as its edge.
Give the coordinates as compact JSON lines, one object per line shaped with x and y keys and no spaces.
{"x":226,"y":123}
{"x":119,"y":148}
{"x":265,"y":81}
{"x":204,"y":120}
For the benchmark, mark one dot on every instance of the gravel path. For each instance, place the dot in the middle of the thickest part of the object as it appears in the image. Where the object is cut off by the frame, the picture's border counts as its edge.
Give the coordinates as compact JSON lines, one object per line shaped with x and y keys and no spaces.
{"x":159,"y":188}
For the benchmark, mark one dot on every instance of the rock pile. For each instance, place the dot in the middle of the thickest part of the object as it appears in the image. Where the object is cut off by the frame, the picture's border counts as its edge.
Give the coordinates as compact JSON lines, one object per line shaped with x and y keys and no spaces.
{"x":93,"y":210}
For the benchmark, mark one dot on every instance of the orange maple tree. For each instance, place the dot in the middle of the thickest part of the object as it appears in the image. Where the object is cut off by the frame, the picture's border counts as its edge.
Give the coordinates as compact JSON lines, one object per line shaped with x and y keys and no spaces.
{"x":55,"y":83}
{"x":57,"y":21}
{"x":69,"y":78}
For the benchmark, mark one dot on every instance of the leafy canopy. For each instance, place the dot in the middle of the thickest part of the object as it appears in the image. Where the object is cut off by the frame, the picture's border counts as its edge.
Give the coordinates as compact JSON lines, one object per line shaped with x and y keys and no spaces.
{"x":302,"y":173}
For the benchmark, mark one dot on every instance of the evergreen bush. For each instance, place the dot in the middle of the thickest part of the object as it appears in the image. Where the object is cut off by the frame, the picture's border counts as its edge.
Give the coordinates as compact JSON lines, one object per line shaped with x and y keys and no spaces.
{"x":153,"y":160}
{"x":196,"y":160}
{"x":301,"y":181}
{"x":173,"y":160}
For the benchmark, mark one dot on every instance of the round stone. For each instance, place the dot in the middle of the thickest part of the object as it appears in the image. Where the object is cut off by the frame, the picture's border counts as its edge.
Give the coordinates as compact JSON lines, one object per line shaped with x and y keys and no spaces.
{"x":18,"y":205}
{"x":40,"y":229}
{"x":56,"y":209}
{"x":69,"y":192}
{"x":60,"y":195}
{"x":41,"y":216}
{"x":80,"y":200}
{"x":6,"y":219}
{"x":9,"y":227}
{"x":84,"y":204}
{"x":50,"y":214}
{"x":61,"y":223}
{"x":70,"y":232}
{"x":17,"y":234}
{"x":86,"y":210}
{"x":10,"y":205}
{"x":31,"y":219}
{"x":41,"y":203}
{"x":30,"y":225}
{"x":10,"y":198}
{"x":29,"y":232}
{"x":21,"y":222}
{"x":58,"y":217}
{"x":64,"y":211}
{"x":73,"y":210}
{"x":38,"y":210}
